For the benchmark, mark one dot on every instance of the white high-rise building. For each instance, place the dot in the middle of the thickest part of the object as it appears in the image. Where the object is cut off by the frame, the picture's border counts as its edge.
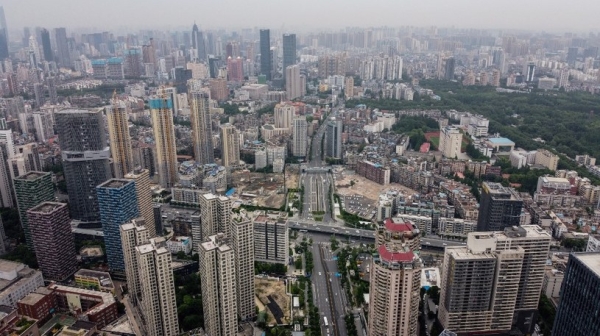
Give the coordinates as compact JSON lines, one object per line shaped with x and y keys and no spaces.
{"x":283,"y":115}
{"x":161,"y":111}
{"x":132,"y":235}
{"x":450,"y":142}
{"x":150,"y":279}
{"x":215,"y":217}
{"x":219,"y":291}
{"x":7,"y":151}
{"x":242,"y":242}
{"x":300,"y":128}
{"x":201,"y":127}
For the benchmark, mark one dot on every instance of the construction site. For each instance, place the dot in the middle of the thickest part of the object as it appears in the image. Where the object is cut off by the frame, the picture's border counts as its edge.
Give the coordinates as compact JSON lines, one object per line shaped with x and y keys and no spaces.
{"x":272,"y":299}
{"x":265,"y":190}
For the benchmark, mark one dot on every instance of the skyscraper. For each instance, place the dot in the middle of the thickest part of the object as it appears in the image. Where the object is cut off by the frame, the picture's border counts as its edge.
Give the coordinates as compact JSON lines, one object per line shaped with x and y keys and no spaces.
{"x":7,"y":151}
{"x":46,"y":46}
{"x":242,"y":243}
{"x":198,"y":43}
{"x":120,"y":140}
{"x":201,"y":127}
{"x":577,"y":312}
{"x":32,"y":189}
{"x":530,"y":72}
{"x":118,"y":205}
{"x":3,"y":35}
{"x":230,"y":146}
{"x":449,"y":70}
{"x":85,"y":156}
{"x":500,"y":207}
{"x":572,"y":55}
{"x":50,"y":228}
{"x":134,"y":233}
{"x":52,"y":94}
{"x":161,"y":110}
{"x":62,"y":47}
{"x":158,"y":306}
{"x":219,"y":291}
{"x":141,"y":178}
{"x":333,"y":139}
{"x":295,"y":84}
{"x":289,"y":52}
{"x":395,"y":280}
{"x":265,"y":53}
{"x":300,"y":143}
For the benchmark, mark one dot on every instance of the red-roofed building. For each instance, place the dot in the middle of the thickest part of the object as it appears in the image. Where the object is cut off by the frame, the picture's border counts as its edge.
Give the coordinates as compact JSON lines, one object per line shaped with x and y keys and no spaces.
{"x":395,"y":279}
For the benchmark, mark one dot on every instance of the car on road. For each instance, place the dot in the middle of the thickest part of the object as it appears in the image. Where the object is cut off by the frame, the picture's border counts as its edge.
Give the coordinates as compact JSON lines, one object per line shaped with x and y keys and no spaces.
{"x":319,"y":273}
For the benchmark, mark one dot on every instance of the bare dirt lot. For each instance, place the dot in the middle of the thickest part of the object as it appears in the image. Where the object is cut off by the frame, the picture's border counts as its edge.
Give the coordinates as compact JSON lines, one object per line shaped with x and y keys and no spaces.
{"x":269,"y":293}
{"x":292,"y":175}
{"x":267,"y":189}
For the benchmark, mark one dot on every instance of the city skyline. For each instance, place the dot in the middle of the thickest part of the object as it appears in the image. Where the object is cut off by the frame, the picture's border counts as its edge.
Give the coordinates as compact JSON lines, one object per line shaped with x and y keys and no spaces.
{"x":436,"y":13}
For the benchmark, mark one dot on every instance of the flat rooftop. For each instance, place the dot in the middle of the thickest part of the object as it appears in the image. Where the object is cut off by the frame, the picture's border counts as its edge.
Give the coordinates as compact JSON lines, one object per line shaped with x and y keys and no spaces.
{"x":32,"y":298}
{"x":591,"y":260}
{"x":103,"y":277}
{"x":501,"y":141}
{"x":32,"y":175}
{"x":115,"y":183}
{"x":47,"y":207}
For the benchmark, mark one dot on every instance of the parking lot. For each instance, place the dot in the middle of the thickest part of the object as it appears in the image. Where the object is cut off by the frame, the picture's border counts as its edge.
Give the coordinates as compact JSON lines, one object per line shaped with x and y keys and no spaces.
{"x":359,"y":205}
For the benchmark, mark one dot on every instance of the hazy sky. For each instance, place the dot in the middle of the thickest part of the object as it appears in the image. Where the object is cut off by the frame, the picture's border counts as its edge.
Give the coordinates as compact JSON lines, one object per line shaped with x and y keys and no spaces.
{"x":554,"y":15}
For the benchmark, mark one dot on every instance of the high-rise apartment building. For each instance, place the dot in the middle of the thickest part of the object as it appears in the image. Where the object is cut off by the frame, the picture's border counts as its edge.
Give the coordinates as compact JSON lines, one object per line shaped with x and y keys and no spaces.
{"x":300,"y":138}
{"x":333,"y":139}
{"x":7,"y":152}
{"x":547,"y":159}
{"x":141,"y":178}
{"x":201,"y":127}
{"x":50,"y":228}
{"x":161,"y":111}
{"x":32,"y":189}
{"x":218,"y":89}
{"x":118,"y":205}
{"x":450,"y":142}
{"x":219,"y":291}
{"x":242,"y":243}
{"x":577,"y":312}
{"x":230,"y":146}
{"x":349,"y":87}
{"x":500,"y":207}
{"x":395,"y":280}
{"x":120,"y":140}
{"x":289,"y":52}
{"x":493,"y":284}
{"x":283,"y":114}
{"x":133,"y":234}
{"x":158,"y":304}
{"x":85,"y":156}
{"x":331,"y":65}
{"x":271,"y":239}
{"x":479,"y":287}
{"x":265,"y":53}
{"x":295,"y":83}
{"x":535,"y":243}
{"x":215,"y":217}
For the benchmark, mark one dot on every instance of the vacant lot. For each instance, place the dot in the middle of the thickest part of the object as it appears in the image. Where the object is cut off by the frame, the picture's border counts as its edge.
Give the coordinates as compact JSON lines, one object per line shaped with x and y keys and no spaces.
{"x":271,"y":293}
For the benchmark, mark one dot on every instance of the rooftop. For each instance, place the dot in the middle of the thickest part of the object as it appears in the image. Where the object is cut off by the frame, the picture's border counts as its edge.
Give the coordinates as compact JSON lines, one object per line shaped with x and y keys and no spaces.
{"x":393,"y":224}
{"x":501,"y":141}
{"x":392,"y":256}
{"x":47,"y":207}
{"x":32,"y":298}
{"x":32,"y":175}
{"x":115,"y":183}
{"x":103,"y":277}
{"x":590,"y":260}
